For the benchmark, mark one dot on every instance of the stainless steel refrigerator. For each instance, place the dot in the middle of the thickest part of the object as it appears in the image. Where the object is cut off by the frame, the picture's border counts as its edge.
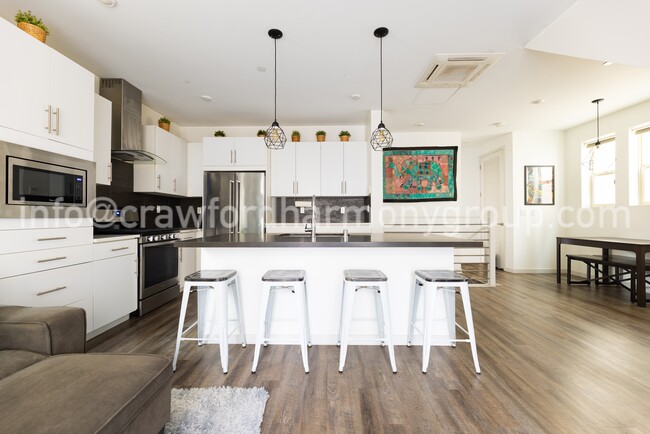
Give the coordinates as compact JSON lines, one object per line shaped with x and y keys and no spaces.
{"x":233,"y":202}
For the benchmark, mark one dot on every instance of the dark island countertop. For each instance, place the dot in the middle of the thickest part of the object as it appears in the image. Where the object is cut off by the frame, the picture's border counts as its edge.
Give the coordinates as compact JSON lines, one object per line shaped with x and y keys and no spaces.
{"x":329,"y":240}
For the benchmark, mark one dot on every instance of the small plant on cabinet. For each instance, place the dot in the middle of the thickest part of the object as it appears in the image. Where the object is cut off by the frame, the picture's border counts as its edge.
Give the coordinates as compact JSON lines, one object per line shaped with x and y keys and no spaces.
{"x":32,"y":25}
{"x":164,"y":123}
{"x":219,"y":133}
{"x":295,"y":136}
{"x":320,"y":135}
{"x":344,"y":136}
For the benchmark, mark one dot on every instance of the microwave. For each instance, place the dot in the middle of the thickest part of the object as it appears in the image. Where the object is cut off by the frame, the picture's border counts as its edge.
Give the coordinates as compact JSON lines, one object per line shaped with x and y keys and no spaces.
{"x":36,"y":180}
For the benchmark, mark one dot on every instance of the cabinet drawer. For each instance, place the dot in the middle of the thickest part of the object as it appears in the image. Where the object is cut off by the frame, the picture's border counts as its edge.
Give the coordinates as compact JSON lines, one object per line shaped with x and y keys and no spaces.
{"x":26,"y":240}
{"x":115,"y":249}
{"x":58,"y":287}
{"x":40,"y":260}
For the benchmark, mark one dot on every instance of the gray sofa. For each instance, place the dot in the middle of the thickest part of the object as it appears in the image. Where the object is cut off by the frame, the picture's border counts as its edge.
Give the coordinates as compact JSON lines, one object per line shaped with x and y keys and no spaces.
{"x":48,"y":384}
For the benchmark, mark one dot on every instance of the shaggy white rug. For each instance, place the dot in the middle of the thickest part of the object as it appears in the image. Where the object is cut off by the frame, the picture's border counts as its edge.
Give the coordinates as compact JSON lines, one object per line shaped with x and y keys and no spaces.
{"x":228,"y":410}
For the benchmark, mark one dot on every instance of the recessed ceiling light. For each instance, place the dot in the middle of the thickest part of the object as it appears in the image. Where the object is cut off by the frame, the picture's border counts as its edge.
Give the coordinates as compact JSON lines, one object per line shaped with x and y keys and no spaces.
{"x":206,"y":98}
{"x":607,"y":63}
{"x":355,"y":97}
{"x":499,"y":124}
{"x":109,"y":3}
{"x":419,"y":124}
{"x":538,"y":101}
{"x":261,"y":68}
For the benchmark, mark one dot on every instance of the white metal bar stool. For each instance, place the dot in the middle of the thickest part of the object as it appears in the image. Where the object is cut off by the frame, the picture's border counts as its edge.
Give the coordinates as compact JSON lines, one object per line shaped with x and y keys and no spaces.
{"x":432,"y":281}
{"x":273,"y":280}
{"x":211,"y":287}
{"x":376,"y":281}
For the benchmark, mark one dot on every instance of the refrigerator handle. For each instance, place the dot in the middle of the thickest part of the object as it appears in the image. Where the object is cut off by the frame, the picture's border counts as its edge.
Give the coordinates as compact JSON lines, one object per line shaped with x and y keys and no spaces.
{"x":232,"y":201}
{"x":238,"y":203}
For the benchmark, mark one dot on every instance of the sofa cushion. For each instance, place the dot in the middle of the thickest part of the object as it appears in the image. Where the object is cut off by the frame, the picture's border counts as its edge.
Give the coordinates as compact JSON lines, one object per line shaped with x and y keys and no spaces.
{"x":14,"y":360}
{"x":83,"y":393}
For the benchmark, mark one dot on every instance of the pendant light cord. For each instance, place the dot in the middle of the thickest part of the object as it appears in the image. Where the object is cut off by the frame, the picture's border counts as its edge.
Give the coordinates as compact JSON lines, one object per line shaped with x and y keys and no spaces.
{"x":275,"y":81}
{"x":381,"y":80}
{"x":597,"y":123}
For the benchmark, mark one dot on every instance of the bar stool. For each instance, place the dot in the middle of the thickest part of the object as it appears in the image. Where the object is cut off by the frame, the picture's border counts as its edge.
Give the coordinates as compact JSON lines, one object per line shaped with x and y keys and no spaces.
{"x":211,"y":287}
{"x":447,"y":281}
{"x":272,"y":281}
{"x":376,"y":281}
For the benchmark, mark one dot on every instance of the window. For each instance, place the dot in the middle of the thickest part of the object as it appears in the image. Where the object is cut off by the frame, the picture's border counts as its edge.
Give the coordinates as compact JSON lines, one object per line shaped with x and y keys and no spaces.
{"x":602,"y":168}
{"x":643,"y":139}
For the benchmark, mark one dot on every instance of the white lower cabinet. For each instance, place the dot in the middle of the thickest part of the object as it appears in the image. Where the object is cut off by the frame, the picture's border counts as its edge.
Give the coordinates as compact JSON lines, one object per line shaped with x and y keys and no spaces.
{"x":188,"y":257}
{"x":115,"y":286}
{"x":47,"y":267}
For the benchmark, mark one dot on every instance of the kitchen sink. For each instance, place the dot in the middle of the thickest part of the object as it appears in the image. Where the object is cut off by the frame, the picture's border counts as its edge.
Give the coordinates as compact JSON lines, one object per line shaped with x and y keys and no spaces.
{"x":306,"y":235}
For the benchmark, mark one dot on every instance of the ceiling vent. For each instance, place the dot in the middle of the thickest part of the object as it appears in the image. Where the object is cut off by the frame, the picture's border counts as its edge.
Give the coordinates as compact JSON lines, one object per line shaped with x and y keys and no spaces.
{"x":456,"y":70}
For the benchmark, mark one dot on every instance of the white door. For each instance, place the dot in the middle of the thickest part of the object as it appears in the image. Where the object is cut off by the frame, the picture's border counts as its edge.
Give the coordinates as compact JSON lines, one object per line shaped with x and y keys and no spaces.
{"x":102,"y":150}
{"x":195,"y":169}
{"x":355,"y":168}
{"x":218,"y":151}
{"x":115,"y":288}
{"x":307,"y":168}
{"x":283,"y":171}
{"x":493,"y":201}
{"x":179,"y":166}
{"x":250,"y":151}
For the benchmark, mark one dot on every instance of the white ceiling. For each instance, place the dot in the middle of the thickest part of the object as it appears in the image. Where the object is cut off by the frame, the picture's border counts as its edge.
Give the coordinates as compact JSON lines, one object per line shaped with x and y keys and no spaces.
{"x":177,"y":51}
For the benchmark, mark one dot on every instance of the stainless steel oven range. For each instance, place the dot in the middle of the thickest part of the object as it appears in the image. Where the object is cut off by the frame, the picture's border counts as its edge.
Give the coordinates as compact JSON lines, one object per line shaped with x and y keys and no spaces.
{"x":158,"y":274}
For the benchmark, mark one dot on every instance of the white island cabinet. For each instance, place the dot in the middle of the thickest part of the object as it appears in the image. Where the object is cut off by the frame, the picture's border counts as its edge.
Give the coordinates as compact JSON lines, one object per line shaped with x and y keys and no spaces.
{"x":324,"y":260}
{"x":115,"y":287}
{"x":47,"y":99}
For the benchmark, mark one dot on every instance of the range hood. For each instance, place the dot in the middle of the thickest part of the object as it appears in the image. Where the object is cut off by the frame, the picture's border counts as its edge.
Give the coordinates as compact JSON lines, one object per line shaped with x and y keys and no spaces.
{"x":126,"y":129}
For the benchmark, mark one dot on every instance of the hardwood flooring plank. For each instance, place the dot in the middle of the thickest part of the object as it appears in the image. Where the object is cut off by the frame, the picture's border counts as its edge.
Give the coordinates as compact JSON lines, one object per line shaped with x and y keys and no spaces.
{"x":554,"y":359}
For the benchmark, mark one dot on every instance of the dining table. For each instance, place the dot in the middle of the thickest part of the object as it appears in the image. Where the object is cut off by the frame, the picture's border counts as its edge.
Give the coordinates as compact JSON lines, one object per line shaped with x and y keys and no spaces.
{"x":637,"y":246}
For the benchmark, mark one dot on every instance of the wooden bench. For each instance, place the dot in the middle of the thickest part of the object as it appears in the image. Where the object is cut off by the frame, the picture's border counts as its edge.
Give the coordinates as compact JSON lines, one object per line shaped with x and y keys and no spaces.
{"x":624,"y":271}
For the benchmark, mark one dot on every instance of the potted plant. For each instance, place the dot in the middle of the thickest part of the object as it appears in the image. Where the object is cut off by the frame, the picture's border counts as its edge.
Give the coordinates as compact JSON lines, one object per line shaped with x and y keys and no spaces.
{"x":344,"y":136}
{"x":164,"y":123}
{"x":295,"y":136}
{"x":320,"y":135}
{"x":219,"y":133}
{"x":32,"y":25}
{"x":261,"y":133}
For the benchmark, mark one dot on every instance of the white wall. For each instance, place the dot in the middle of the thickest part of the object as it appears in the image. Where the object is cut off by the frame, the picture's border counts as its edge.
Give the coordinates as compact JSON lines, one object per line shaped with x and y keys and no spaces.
{"x":631,"y":220}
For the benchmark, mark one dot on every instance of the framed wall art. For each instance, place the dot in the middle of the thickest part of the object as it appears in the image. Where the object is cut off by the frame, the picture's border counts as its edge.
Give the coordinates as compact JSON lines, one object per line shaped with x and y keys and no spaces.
{"x":539,"y":186}
{"x":420,"y":174}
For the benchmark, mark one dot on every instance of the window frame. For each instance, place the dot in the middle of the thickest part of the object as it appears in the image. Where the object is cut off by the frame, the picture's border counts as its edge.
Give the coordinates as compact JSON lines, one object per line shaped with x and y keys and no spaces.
{"x":593,"y":174}
{"x":640,"y":134}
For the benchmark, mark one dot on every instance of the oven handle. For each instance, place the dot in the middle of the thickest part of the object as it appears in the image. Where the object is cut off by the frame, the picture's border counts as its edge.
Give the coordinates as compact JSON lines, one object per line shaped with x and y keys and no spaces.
{"x":162,"y":243}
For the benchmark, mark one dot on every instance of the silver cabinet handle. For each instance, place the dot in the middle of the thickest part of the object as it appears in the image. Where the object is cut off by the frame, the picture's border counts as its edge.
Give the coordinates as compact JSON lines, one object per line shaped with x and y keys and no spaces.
{"x":118,"y":249}
{"x":345,"y":187}
{"x":40,"y":261}
{"x":57,"y":113}
{"x":158,"y":182}
{"x":174,"y":184}
{"x":110,"y":171}
{"x":235,"y":156}
{"x":48,"y":127}
{"x":342,"y":187}
{"x":180,"y":255}
{"x":297,"y":188}
{"x":52,"y":239}
{"x":51,"y":290}
{"x":231,"y":161}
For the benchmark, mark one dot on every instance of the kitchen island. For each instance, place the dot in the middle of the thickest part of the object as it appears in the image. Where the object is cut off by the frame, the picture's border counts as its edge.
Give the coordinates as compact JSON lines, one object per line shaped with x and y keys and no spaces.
{"x":397,"y":255}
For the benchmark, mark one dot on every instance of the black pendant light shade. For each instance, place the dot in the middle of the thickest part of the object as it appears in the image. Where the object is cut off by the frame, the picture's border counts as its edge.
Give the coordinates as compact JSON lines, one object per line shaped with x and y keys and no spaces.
{"x":275,"y":137}
{"x":381,"y":138}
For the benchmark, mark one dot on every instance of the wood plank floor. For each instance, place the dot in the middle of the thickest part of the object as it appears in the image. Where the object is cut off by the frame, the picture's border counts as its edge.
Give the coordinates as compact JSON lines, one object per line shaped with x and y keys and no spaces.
{"x":555,"y":359}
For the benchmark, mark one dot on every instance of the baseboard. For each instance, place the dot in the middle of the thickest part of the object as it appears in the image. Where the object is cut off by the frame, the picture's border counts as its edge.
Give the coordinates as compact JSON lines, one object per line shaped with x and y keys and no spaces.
{"x":529,"y":270}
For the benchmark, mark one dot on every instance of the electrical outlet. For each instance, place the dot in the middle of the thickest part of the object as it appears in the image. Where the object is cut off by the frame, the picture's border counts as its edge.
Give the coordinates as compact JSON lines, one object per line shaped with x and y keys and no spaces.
{"x":342,"y":210}
{"x":158,"y":208}
{"x":199,"y":210}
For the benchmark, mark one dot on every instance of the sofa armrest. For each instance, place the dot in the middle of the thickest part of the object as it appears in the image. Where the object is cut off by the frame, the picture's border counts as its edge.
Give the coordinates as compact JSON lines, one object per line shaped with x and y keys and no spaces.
{"x":46,"y":330}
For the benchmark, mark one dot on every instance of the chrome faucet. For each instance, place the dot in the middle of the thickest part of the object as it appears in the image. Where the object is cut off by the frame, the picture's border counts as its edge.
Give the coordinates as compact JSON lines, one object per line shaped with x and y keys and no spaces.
{"x":312,"y":227}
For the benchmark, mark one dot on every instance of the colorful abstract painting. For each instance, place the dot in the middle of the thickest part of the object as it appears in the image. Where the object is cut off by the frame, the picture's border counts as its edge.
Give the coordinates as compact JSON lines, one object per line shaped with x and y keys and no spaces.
{"x":540,"y":185}
{"x":420,"y":174}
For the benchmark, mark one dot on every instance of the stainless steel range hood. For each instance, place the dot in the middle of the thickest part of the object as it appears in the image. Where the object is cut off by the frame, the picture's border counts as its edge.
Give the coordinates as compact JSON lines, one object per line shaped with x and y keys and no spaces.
{"x":126,"y":142}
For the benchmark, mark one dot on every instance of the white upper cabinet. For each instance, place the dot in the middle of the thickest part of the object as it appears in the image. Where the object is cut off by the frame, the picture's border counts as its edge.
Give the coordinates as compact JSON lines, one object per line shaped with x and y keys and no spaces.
{"x":295,"y":170}
{"x":195,"y":169}
{"x":167,"y":177}
{"x":355,"y":169}
{"x":102,"y":150}
{"x":234,"y":153}
{"x":344,"y":169}
{"x":45,"y":95}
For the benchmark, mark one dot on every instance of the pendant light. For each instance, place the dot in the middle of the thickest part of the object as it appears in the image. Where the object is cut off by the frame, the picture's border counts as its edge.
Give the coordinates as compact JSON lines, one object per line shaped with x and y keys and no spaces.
{"x":275,"y":137}
{"x":594,"y":146}
{"x":381,"y":138}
